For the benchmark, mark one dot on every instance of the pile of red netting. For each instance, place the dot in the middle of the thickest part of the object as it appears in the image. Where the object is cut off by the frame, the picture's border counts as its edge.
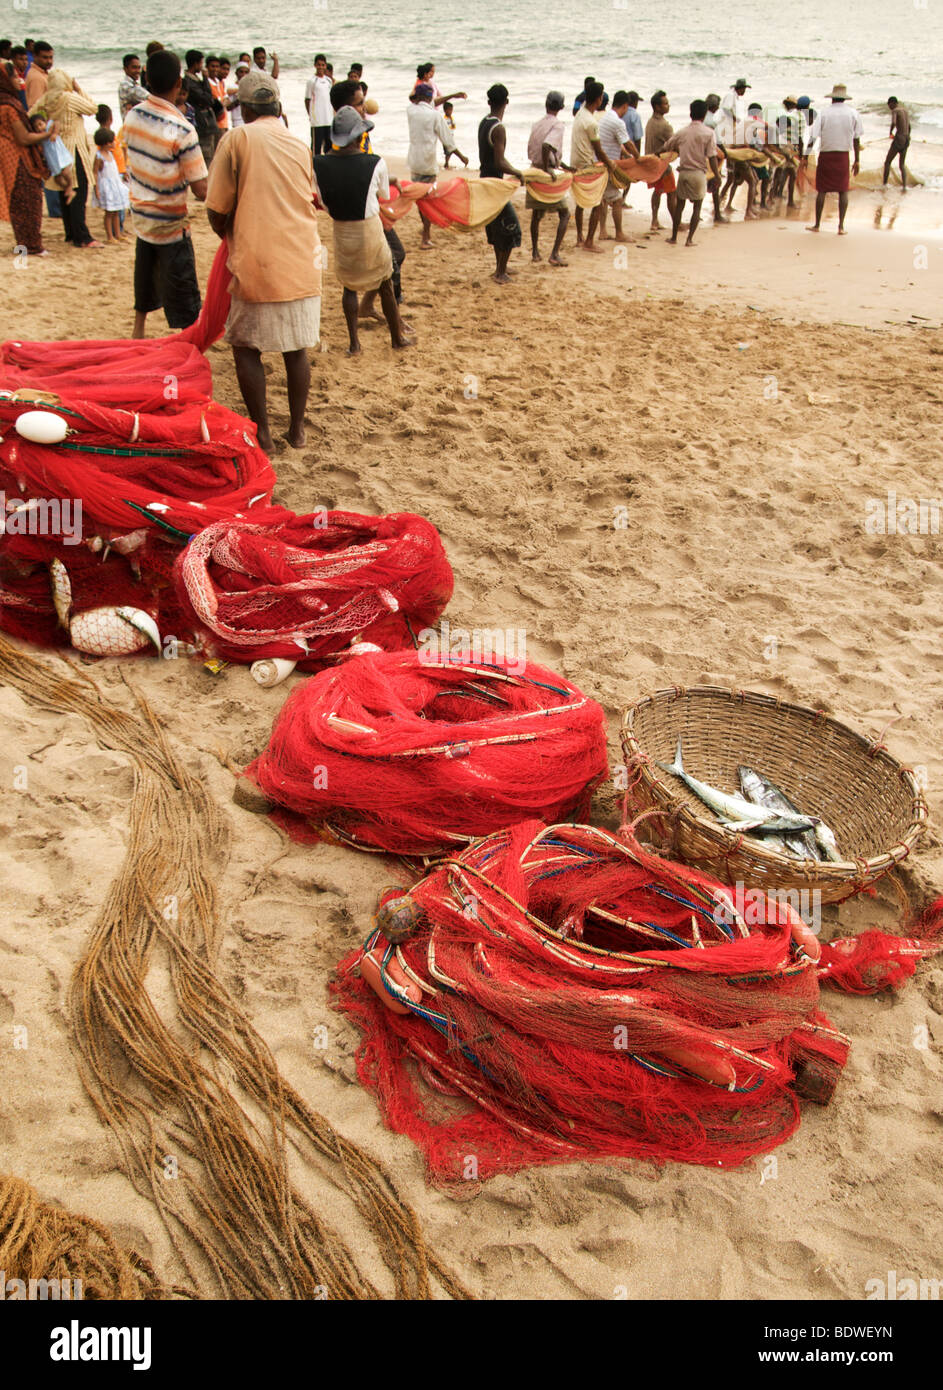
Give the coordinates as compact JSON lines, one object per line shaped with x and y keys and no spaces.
{"x":403,"y":753}
{"x":594,"y":1001}
{"x":310,"y":585}
{"x":149,"y":459}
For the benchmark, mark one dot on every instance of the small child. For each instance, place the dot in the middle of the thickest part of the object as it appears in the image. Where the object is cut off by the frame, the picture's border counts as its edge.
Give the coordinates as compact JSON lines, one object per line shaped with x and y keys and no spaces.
{"x":105,"y":119}
{"x":450,"y":122}
{"x":111,"y":195}
{"x":56,"y":154}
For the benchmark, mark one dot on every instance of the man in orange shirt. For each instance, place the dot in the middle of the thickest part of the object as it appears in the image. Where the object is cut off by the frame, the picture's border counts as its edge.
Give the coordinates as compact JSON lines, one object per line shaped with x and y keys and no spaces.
{"x":275,"y":303}
{"x":218,"y":87}
{"x":37,"y":77}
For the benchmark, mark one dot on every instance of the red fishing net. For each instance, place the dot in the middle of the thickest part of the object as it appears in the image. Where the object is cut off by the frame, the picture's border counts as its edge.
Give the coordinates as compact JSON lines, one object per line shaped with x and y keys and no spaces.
{"x":559,"y":970}
{"x":400,"y":752}
{"x":113,"y":502}
{"x":307,"y":587}
{"x":591,"y":1001}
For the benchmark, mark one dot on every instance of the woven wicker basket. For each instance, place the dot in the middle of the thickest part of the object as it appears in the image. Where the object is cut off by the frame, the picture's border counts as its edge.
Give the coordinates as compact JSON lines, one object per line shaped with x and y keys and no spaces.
{"x":872,"y":803}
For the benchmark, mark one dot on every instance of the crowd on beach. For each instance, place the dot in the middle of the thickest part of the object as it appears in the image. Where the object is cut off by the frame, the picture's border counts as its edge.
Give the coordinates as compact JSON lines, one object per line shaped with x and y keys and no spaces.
{"x":217,"y":131}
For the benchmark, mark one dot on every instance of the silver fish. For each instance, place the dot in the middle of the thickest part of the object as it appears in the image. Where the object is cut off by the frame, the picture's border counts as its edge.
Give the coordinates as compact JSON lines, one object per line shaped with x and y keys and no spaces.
{"x":735,"y":810}
{"x":757,"y":787}
{"x":821,"y":843}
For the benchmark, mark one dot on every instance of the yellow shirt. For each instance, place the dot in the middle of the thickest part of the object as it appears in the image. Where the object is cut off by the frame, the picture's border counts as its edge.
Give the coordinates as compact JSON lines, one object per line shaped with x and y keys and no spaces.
{"x":263,"y":175}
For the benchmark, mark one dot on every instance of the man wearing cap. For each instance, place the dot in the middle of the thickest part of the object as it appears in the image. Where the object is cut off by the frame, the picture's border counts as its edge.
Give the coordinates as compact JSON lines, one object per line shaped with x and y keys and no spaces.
{"x":426,"y":127}
{"x":839,"y":130}
{"x":350,"y":185}
{"x":545,"y":151}
{"x":261,"y":199}
{"x":733,"y":111}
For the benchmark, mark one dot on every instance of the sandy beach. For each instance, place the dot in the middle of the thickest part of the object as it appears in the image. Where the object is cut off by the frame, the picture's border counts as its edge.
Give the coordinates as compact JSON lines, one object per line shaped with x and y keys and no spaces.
{"x":742,"y":400}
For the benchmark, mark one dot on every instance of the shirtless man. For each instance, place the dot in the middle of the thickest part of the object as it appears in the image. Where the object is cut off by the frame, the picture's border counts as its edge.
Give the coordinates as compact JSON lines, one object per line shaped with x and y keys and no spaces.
{"x":900,"y":140}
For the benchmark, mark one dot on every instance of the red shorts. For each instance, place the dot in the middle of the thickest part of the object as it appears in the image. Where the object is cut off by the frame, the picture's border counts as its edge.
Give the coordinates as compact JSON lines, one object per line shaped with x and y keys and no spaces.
{"x":667,"y":182}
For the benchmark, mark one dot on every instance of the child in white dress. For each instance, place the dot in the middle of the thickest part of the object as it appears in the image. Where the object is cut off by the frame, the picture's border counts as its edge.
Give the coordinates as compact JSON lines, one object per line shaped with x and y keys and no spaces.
{"x":111,"y":193}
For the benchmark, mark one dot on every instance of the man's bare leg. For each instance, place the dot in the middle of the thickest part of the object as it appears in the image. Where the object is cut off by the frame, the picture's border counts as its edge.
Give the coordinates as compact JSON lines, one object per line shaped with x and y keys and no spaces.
{"x":391,"y":313}
{"x":351,"y":305}
{"x":251,"y":377}
{"x":139,"y":321}
{"x":563,"y":221}
{"x":535,"y":220}
{"x":656,"y":204}
{"x":594,"y":219}
{"x":425,"y":243}
{"x":842,"y":209}
{"x":819,"y":209}
{"x":579,"y":226}
{"x":368,"y":308}
{"x":298,"y":376}
{"x":695,"y":220}
{"x":676,"y":215}
{"x":617,"y":222}
{"x":501,"y":258}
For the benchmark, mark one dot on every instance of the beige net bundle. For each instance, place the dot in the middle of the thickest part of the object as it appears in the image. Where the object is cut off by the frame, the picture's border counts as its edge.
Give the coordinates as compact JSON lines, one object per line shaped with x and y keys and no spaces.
{"x":204,"y":1090}
{"x":39,"y":1241}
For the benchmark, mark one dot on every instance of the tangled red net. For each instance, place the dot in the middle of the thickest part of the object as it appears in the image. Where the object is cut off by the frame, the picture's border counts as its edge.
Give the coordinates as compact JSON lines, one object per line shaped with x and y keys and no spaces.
{"x":112,"y":503}
{"x":568,"y":996}
{"x":306,"y":587}
{"x":400,"y":753}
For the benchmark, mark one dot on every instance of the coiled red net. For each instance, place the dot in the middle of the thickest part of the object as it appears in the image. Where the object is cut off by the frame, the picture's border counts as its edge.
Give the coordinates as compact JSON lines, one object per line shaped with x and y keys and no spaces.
{"x":149,"y":459}
{"x":397,"y":752}
{"x":305,"y":588}
{"x":591,"y":1001}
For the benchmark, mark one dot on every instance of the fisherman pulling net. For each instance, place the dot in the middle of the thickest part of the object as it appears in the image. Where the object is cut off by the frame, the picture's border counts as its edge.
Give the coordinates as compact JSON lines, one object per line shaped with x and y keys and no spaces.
{"x":415,"y":756}
{"x":593,"y":1001}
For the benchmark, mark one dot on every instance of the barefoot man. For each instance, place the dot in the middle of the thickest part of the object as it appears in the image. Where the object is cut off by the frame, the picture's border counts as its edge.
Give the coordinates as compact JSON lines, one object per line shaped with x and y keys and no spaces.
{"x":900,"y":140}
{"x":545,"y":151}
{"x":658,"y":132}
{"x":839,"y":130}
{"x":697,"y":148}
{"x":260,"y":198}
{"x":585,"y":151}
{"x":616,"y":144}
{"x":504,"y":232}
{"x":350,"y":185}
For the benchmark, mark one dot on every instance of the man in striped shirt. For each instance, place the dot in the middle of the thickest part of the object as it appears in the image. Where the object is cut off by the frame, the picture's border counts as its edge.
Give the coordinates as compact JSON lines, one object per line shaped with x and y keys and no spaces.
{"x":164,"y":160}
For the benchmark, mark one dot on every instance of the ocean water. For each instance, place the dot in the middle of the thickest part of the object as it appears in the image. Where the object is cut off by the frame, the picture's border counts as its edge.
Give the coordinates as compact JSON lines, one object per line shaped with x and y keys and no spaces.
{"x":689,"y":47}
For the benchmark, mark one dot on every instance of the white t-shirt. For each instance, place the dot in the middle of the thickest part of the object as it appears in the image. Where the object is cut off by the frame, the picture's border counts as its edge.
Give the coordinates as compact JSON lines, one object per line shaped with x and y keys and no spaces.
{"x":426,"y":127}
{"x":612,"y":134}
{"x":318,"y":96}
{"x":837,"y":126}
{"x":235,"y":112}
{"x":379,"y":188}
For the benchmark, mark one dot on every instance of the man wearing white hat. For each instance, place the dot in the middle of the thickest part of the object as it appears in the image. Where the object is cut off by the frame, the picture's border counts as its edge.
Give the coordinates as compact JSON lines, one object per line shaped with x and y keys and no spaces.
{"x":733,"y":115}
{"x":839,"y":130}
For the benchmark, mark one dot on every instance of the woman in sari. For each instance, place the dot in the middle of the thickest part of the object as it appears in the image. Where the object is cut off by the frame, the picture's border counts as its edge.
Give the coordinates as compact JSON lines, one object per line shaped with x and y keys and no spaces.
{"x":22,"y":170}
{"x":66,"y":105}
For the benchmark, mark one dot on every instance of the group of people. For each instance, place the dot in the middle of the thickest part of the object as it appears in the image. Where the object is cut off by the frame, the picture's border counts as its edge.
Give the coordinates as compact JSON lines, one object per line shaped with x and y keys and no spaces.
{"x":184,"y":129}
